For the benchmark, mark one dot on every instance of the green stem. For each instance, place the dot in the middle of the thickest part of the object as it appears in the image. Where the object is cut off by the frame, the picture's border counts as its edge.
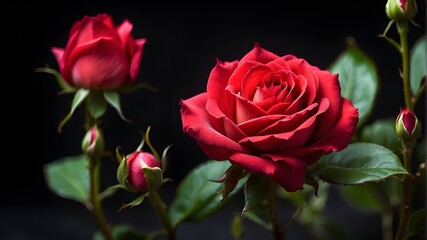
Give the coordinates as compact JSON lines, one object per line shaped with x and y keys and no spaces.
{"x":160,"y":208}
{"x":406,"y":200}
{"x":402,"y":27}
{"x":272,"y":214}
{"x":95,"y":200}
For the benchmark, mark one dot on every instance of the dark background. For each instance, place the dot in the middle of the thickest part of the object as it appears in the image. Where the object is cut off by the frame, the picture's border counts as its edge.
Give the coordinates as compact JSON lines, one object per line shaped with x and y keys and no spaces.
{"x":183,"y":41}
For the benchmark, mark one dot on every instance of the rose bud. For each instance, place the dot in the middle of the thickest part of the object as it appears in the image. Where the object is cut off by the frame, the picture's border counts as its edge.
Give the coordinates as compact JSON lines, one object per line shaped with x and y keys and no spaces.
{"x":269,"y":114}
{"x":408,"y":127}
{"x":93,"y":142}
{"x":99,"y":55}
{"x":399,"y":10}
{"x":135,"y":164}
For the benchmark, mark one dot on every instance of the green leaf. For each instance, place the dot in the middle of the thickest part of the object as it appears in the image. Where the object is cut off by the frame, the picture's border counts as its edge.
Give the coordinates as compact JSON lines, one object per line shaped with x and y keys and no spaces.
{"x":256,"y":190}
{"x":69,"y":177}
{"x":359,"y":163}
{"x":418,"y":64}
{"x":96,"y":104}
{"x":113,"y":98}
{"x":197,"y":196}
{"x":122,"y":232}
{"x":79,"y":97}
{"x":358,"y":79}
{"x":382,"y":132}
{"x":416,"y":224}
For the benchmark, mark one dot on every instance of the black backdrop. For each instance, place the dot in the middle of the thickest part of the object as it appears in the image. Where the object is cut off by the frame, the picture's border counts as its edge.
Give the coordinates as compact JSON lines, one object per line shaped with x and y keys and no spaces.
{"x":183,"y":41}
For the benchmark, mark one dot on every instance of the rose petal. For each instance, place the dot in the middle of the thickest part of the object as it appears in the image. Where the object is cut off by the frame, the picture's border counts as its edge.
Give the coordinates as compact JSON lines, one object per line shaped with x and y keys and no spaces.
{"x":289,"y":173}
{"x":336,"y":139}
{"x":58,"y":53}
{"x":216,"y":87}
{"x":92,"y":66}
{"x":246,"y":110}
{"x":254,"y":126}
{"x":260,"y":55}
{"x":136,"y":59}
{"x":297,"y":93}
{"x":229,"y":128}
{"x":303,"y":68}
{"x":281,"y":139}
{"x":252,"y":79}
{"x":235,"y":79}
{"x":329,"y":88}
{"x":197,"y":123}
{"x":124,"y":31}
{"x":279,"y":64}
{"x":292,"y":122}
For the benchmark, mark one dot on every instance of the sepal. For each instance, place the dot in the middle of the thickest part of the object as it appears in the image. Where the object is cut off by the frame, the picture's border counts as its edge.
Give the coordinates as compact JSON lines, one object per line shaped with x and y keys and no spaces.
{"x":66,"y":88}
{"x":78,"y":99}
{"x":230,"y":179}
{"x":122,"y":176}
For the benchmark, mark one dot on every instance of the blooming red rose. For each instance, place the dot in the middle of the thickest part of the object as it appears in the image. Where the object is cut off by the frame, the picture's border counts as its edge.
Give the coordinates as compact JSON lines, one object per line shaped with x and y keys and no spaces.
{"x":100,"y":55}
{"x":271,"y":115}
{"x":136,"y":161}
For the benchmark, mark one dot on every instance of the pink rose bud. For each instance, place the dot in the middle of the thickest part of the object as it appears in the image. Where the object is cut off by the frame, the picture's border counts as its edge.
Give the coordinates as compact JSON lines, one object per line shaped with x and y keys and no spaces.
{"x":136,"y":162}
{"x":93,"y":142}
{"x":100,"y":55}
{"x":399,"y":10}
{"x":408,"y":127}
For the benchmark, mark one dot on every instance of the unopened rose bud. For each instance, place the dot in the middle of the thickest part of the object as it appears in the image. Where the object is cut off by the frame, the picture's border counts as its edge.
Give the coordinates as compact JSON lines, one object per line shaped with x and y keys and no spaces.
{"x":399,"y":10}
{"x":408,"y":127}
{"x":93,"y":142}
{"x":135,"y":164}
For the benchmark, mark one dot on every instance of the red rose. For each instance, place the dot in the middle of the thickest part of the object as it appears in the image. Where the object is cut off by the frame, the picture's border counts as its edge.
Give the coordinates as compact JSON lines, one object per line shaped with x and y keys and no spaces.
{"x":271,"y":115}
{"x":100,"y":55}
{"x":136,"y":161}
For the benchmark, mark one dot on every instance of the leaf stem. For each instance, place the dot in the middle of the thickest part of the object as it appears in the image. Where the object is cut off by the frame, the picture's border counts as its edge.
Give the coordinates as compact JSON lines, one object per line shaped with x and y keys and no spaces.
{"x":160,"y":208}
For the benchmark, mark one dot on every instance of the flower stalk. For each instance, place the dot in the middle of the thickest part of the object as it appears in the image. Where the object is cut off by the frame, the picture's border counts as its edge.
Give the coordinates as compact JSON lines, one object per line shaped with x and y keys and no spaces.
{"x":407,"y":146}
{"x":272,"y":211}
{"x":402,"y":27}
{"x":160,"y":208}
{"x":95,"y":199}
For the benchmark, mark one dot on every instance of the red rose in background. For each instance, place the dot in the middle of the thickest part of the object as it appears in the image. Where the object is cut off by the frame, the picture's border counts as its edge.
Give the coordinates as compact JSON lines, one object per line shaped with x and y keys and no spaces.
{"x":100,"y":55}
{"x":271,"y":115}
